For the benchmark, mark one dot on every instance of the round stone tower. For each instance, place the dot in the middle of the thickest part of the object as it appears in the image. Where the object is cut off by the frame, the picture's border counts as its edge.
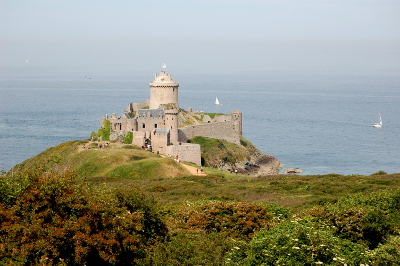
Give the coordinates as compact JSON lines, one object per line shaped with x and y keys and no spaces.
{"x":164,"y":91}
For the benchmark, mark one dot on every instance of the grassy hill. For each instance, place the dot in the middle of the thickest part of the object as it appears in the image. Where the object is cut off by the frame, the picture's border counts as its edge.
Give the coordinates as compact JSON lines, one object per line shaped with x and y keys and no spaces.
{"x":170,"y":183}
{"x":117,"y":160}
{"x":106,"y":205}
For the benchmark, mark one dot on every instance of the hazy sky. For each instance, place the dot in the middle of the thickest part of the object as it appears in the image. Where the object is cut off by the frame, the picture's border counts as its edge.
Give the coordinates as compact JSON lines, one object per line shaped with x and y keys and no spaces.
{"x":189,"y":34}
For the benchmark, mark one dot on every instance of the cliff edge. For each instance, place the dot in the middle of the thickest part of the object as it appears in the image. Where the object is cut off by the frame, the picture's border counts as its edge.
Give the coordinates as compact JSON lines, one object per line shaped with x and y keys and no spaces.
{"x":242,"y":159}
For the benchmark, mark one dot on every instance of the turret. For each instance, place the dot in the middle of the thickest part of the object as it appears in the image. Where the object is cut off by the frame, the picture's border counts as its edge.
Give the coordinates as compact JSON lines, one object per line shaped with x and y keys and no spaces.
{"x":164,"y":92}
{"x":171,"y":123}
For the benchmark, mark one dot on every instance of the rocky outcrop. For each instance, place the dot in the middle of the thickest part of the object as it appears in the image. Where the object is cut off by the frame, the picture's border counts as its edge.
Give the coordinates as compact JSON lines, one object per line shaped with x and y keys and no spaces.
{"x":291,"y":170}
{"x":259,"y":164}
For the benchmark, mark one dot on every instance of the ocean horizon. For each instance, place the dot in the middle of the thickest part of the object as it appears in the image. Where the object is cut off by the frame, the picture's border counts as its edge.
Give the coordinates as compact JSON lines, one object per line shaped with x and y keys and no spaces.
{"x":316,"y":120}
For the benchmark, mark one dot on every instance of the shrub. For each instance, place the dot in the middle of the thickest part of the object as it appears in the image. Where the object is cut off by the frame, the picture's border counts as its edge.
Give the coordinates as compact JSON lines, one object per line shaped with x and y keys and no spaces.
{"x":104,"y":132}
{"x":237,"y":219}
{"x":189,"y":249}
{"x":51,"y":219}
{"x":387,"y":254}
{"x":297,"y":242}
{"x":367,"y":219}
{"x":379,"y":173}
{"x":128,"y":137}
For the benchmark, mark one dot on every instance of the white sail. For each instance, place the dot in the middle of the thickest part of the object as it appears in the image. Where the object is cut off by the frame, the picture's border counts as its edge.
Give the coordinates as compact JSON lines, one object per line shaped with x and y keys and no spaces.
{"x":216,"y":101}
{"x":380,"y":122}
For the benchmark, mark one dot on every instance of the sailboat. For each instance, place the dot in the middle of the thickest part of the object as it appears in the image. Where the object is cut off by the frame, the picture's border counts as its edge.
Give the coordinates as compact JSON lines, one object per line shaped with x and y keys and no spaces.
{"x":380,"y":122}
{"x":217,"y":102}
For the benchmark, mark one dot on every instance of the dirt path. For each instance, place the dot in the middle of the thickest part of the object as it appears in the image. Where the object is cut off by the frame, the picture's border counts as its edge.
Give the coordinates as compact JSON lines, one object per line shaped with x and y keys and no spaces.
{"x":193,"y":170}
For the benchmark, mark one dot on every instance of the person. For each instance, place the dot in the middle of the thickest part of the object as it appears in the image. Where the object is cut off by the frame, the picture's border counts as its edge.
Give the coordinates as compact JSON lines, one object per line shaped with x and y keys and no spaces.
{"x":235,"y":171}
{"x":197,"y":170}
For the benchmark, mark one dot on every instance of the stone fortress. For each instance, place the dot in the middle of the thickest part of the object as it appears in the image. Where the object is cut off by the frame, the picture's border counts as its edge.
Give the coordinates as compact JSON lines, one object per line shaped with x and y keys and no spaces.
{"x":160,"y":124}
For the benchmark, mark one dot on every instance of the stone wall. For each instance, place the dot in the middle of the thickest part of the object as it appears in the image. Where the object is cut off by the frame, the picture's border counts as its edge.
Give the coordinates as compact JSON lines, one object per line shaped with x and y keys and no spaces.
{"x":159,"y":141}
{"x":228,"y":131}
{"x":186,"y":152}
{"x":139,"y":138}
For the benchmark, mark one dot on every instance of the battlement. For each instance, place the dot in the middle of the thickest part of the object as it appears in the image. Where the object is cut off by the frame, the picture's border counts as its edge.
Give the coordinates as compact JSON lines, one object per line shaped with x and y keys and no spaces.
{"x":163,"y":80}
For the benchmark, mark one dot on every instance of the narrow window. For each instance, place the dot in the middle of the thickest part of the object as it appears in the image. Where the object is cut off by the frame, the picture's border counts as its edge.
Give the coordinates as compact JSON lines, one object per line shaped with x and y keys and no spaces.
{"x":143,"y":125}
{"x":155,"y":125}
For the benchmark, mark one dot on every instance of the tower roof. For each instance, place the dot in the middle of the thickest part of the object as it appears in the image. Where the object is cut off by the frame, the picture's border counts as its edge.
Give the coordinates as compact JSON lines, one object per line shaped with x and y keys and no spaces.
{"x":164,"y":79}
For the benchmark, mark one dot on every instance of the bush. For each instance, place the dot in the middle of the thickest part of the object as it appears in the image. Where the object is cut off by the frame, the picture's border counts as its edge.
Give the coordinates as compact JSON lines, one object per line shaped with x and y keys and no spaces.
{"x":379,"y":173}
{"x":387,"y":254}
{"x":365,"y":219}
{"x":189,"y":249}
{"x":239,"y":220}
{"x":297,"y":242}
{"x":103,"y":132}
{"x":128,"y":137}
{"x":51,"y":219}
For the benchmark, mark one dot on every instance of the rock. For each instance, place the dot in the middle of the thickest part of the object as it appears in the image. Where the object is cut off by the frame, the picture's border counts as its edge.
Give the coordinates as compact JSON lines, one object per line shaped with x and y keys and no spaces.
{"x":260,"y":164}
{"x":291,"y":170}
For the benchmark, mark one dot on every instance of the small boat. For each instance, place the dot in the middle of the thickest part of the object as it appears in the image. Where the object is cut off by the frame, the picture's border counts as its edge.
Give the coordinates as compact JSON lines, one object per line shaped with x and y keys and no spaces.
{"x":380,"y":122}
{"x":217,"y":102}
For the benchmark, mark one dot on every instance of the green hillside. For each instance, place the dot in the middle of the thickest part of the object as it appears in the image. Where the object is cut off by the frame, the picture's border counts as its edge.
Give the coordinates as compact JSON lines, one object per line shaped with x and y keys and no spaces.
{"x":122,"y":205}
{"x":117,"y":160}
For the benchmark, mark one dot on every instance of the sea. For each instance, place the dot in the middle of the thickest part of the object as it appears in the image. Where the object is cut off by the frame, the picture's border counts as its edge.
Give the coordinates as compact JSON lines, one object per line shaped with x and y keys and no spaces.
{"x":317,"y":120}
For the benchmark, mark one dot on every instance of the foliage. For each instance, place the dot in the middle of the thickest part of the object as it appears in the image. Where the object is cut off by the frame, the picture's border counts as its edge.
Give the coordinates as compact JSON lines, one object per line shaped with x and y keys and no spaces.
{"x":387,"y":254}
{"x":379,"y":173}
{"x":97,"y":218}
{"x":128,"y":137}
{"x":213,"y":115}
{"x":366,"y":219}
{"x":48,"y":218}
{"x":218,"y":152}
{"x":236,"y":219}
{"x":104,"y":132}
{"x":132,"y":114}
{"x":297,"y":242}
{"x":185,"y":248}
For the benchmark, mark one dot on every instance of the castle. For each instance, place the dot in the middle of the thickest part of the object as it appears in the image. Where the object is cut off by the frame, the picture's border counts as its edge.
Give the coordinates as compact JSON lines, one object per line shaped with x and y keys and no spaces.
{"x":161,"y":125}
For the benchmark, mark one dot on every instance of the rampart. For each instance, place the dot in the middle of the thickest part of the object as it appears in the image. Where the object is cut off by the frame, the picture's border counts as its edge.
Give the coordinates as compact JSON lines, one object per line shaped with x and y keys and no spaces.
{"x":186,"y":152}
{"x":228,"y":131}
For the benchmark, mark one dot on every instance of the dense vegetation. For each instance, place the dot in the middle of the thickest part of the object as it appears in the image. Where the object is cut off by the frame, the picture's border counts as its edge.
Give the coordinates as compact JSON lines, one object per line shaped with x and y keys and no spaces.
{"x":104,"y":132}
{"x":217,"y":151}
{"x":115,"y":210}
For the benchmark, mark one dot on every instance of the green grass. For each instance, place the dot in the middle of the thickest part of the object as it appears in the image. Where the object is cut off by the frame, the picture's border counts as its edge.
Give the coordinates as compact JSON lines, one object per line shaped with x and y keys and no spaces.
{"x":125,"y":161}
{"x":171,"y":184}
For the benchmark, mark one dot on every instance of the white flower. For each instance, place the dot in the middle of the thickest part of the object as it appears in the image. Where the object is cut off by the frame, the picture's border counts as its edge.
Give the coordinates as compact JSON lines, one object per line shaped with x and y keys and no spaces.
{"x":319,"y":262}
{"x":295,"y":248}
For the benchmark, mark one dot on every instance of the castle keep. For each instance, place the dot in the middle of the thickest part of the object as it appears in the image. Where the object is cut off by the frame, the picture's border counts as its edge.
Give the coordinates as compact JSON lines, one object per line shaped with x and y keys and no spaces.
{"x":160,"y":124}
